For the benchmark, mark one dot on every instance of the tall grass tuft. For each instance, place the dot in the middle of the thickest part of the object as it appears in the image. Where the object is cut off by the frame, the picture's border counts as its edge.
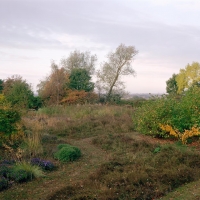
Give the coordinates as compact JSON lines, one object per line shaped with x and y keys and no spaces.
{"x":32,"y":145}
{"x":24,"y":171}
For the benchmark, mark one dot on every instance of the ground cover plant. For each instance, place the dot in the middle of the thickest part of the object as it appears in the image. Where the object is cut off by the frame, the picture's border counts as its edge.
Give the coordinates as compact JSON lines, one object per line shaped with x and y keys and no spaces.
{"x":18,"y":172}
{"x":44,"y":164}
{"x":23,"y":171}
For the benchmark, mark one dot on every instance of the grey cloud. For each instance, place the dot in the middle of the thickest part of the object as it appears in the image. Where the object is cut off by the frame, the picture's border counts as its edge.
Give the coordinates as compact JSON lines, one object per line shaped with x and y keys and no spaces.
{"x":99,"y":20}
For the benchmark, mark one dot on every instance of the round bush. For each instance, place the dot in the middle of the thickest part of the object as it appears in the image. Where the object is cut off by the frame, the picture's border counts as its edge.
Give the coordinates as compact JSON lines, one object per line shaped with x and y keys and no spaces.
{"x":67,"y":153}
{"x":60,"y":146}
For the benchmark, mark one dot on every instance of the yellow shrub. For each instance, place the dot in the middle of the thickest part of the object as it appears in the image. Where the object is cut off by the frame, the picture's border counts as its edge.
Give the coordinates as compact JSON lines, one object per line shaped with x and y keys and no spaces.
{"x":194,"y":131}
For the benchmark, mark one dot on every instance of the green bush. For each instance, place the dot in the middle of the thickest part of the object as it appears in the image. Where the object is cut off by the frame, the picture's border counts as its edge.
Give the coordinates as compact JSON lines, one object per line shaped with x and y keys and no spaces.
{"x":180,"y":112}
{"x":67,"y":153}
{"x":8,"y":120}
{"x":153,"y":112}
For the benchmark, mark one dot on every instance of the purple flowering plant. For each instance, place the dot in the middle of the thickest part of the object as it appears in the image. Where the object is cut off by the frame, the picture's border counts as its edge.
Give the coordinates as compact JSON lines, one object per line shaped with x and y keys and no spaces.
{"x":44,"y":164}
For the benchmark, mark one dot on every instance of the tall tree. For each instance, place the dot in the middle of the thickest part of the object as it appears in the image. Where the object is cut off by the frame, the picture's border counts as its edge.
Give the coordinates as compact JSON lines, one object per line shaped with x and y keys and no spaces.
{"x":18,"y":92}
{"x":188,"y":77}
{"x":119,"y":63}
{"x":172,"y":86}
{"x":80,"y":79}
{"x":80,"y":60}
{"x":53,"y":88}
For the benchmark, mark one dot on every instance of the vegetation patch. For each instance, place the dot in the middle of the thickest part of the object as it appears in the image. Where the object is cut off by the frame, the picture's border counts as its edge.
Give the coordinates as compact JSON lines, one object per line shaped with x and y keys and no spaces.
{"x":24,"y":171}
{"x":44,"y":164}
{"x":67,"y":153}
{"x":137,"y":170}
{"x":181,"y":113}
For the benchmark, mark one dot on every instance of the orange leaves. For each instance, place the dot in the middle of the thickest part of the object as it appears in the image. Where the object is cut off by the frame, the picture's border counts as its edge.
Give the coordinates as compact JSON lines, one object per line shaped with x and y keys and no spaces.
{"x":79,"y":97}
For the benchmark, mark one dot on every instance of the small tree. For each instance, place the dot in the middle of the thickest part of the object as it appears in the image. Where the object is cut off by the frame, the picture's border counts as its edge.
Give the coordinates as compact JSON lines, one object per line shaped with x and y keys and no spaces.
{"x":188,"y":77}
{"x":9,"y":120}
{"x":53,"y":88}
{"x":118,"y":64}
{"x":172,"y":86}
{"x":79,"y":79}
{"x":18,"y":92}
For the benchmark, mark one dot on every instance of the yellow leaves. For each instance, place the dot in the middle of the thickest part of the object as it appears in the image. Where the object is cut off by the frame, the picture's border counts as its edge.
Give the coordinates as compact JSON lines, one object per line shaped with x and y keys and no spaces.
{"x":3,"y":103}
{"x":170,"y":130}
{"x":2,"y":97}
{"x":190,"y":133}
{"x":188,"y":76}
{"x":194,"y":131}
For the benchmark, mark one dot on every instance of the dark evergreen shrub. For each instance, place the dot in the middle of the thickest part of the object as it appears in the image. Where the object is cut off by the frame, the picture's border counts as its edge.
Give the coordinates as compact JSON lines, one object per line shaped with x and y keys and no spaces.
{"x":3,"y":183}
{"x":20,"y":176}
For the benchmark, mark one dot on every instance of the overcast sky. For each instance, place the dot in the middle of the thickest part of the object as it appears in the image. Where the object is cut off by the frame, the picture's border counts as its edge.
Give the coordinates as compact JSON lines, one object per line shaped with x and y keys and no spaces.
{"x":165,"y":32}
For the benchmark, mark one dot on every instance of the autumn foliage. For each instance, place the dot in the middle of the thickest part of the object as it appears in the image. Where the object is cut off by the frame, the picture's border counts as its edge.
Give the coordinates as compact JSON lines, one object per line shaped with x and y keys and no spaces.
{"x":79,"y":97}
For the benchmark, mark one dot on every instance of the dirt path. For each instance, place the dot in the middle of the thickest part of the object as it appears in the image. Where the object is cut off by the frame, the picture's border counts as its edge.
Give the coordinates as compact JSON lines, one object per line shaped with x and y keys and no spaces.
{"x":67,"y":174}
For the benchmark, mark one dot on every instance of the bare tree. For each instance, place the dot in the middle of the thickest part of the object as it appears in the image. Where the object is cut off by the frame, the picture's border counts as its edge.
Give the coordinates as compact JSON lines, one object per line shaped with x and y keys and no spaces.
{"x":118,"y":64}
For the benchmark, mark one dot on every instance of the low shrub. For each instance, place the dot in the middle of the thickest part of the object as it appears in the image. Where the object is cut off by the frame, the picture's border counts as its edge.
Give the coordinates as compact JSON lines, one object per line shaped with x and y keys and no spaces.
{"x":5,"y":167}
{"x":4,"y":170}
{"x":20,"y":175}
{"x":3,"y":183}
{"x":24,"y":171}
{"x":67,"y":153}
{"x":44,"y":164}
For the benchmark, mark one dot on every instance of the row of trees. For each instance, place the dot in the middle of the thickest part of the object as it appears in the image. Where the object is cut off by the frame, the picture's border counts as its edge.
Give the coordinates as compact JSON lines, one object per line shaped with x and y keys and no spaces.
{"x":70,"y":81}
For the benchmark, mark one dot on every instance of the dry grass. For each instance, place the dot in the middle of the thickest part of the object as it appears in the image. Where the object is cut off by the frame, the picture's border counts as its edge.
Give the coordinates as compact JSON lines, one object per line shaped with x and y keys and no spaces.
{"x":82,"y":121}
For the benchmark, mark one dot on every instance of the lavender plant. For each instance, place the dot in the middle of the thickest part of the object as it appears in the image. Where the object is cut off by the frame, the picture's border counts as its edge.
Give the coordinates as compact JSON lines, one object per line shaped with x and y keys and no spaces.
{"x":44,"y":164}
